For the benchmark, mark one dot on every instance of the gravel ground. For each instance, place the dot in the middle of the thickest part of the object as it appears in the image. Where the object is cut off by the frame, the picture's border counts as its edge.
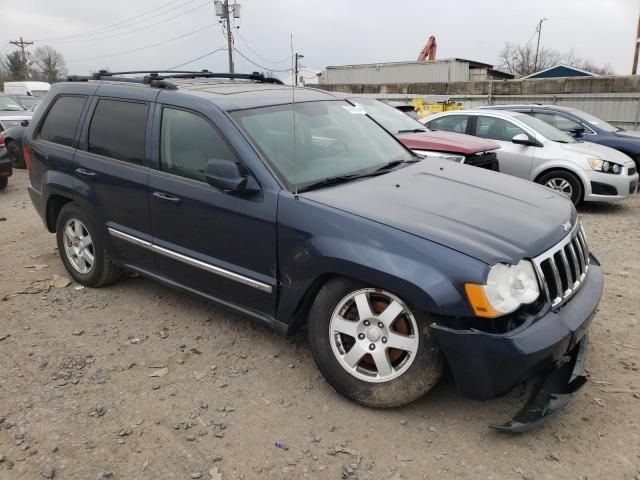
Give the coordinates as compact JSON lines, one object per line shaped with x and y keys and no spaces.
{"x":137,"y":381}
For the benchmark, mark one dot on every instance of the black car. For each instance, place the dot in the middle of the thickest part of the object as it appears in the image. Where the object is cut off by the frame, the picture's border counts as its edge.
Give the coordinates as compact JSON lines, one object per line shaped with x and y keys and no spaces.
{"x":6,"y":169}
{"x":309,"y":214}
{"x":583,"y":126}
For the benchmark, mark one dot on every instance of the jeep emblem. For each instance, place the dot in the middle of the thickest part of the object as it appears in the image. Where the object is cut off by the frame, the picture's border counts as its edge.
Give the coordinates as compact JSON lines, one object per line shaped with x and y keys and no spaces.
{"x":566,"y":226}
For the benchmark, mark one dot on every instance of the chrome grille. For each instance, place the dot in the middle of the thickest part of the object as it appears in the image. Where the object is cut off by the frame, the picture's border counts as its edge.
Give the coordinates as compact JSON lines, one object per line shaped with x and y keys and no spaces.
{"x":563,"y":268}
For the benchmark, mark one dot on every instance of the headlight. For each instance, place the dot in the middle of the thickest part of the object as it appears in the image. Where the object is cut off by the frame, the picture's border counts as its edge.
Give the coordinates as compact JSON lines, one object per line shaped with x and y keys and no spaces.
{"x":445,"y":156}
{"x":604,"y":166}
{"x":507,"y":287}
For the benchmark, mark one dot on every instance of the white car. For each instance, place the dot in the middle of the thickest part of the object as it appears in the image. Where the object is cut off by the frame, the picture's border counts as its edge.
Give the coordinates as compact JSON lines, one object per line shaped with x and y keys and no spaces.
{"x":535,"y":150}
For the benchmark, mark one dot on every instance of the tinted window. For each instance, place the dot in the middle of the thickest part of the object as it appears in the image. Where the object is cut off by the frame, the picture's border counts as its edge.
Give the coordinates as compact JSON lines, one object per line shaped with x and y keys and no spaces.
{"x":452,"y":123}
{"x":496,"y":129}
{"x":118,"y":130}
{"x":62,"y":120}
{"x":188,"y":142}
{"x":559,"y":121}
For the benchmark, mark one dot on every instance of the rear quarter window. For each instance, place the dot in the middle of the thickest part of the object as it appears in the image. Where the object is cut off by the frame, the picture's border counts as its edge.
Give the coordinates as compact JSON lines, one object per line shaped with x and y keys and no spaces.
{"x":61,"y":121}
{"x":117,"y":130}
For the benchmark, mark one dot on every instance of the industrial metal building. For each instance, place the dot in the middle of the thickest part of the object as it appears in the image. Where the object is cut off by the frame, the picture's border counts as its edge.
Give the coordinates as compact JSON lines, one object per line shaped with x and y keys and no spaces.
{"x":446,"y":70}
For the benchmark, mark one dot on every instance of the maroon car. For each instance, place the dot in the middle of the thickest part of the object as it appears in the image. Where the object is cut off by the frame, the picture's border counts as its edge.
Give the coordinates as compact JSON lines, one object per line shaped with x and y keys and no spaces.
{"x":456,"y":147}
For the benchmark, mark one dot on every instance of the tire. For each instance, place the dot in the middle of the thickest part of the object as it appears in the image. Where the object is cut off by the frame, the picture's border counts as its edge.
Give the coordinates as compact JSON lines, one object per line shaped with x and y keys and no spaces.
{"x":337,"y":307}
{"x":77,"y":234}
{"x":4,"y":181}
{"x":565,"y":182}
{"x":15,"y":155}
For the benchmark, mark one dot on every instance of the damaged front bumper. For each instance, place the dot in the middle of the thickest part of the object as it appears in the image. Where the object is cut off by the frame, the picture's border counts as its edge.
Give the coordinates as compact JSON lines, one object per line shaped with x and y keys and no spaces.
{"x":548,"y":351}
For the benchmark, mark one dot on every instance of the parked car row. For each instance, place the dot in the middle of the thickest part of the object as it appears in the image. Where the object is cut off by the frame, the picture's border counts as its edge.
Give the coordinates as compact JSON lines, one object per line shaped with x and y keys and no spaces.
{"x":531,"y":147}
{"x":316,"y":214}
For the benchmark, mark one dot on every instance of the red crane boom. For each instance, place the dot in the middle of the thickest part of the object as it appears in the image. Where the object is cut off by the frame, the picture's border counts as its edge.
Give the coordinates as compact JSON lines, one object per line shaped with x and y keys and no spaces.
{"x":429,"y":50}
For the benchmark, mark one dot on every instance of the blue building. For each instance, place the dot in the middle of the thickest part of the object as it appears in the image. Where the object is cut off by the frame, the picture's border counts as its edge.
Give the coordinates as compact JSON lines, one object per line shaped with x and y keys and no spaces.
{"x":560,"y":70}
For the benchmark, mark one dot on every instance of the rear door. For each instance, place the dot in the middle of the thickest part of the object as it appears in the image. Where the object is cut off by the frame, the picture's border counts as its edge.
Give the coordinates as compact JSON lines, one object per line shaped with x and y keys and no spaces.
{"x":514,"y":159}
{"x":111,"y":172}
{"x":216,"y":243}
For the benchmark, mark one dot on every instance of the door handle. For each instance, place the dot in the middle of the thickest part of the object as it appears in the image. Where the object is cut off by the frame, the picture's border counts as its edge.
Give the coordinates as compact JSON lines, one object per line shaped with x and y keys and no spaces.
{"x":166,"y":197}
{"x":85,"y":173}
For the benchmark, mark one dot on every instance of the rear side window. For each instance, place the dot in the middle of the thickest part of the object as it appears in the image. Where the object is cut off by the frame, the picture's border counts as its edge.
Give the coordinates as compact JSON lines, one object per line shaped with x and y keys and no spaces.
{"x":188,"y":142}
{"x":61,"y":122}
{"x":118,"y":129}
{"x":452,"y":123}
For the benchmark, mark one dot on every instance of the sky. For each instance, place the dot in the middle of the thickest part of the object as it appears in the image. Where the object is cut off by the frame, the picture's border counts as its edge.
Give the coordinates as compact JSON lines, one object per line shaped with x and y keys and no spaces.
{"x":95,"y":34}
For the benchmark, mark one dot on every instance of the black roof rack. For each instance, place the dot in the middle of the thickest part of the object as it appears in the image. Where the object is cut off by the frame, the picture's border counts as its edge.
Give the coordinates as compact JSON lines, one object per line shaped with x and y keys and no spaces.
{"x":158,"y":78}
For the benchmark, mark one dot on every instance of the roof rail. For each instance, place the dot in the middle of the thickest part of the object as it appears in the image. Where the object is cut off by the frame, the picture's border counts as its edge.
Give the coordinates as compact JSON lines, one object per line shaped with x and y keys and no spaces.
{"x":157,"y":78}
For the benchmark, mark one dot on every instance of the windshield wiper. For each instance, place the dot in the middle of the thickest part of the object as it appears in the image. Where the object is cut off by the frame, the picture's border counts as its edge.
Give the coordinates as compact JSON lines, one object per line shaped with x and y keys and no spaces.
{"x":327,"y":182}
{"x":412,"y":130}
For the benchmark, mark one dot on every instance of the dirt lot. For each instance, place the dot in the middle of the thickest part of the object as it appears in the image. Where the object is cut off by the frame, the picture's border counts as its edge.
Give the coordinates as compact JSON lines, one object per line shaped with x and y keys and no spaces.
{"x":137,"y":381}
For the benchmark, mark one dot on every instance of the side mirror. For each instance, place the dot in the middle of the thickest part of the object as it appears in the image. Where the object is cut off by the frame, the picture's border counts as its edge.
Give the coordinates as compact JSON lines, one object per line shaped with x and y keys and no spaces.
{"x":228,"y":176}
{"x":24,"y":123}
{"x":577,"y":132}
{"x":522,"y":139}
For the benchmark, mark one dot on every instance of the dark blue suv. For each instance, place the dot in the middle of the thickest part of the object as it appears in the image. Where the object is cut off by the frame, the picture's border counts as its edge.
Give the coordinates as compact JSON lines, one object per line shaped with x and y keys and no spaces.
{"x":583,"y":126}
{"x":309,"y":213}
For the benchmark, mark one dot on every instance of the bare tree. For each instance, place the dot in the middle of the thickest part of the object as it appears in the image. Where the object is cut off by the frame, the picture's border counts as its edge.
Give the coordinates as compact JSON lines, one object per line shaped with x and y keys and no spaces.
{"x":49,"y":64}
{"x":520,"y":60}
{"x":12,"y":66}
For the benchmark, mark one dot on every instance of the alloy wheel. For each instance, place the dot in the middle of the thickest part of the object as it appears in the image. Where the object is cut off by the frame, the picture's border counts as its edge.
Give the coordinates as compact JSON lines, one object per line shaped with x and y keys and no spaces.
{"x":560,"y":185}
{"x":374,"y":335}
{"x":78,"y":246}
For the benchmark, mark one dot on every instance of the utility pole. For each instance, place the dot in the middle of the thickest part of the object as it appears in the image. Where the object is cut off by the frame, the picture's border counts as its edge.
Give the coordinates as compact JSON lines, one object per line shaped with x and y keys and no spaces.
{"x":224,"y":11}
{"x":21,"y":44}
{"x":298,"y":56}
{"x":539,"y":30}
{"x":635,"y":52}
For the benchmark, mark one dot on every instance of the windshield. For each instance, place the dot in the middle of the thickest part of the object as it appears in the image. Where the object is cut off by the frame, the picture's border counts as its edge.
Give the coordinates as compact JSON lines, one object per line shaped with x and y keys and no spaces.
{"x":595,"y":121}
{"x":547,"y":131}
{"x":333,"y":138}
{"x":10,"y":105}
{"x":29,"y":102}
{"x":389,"y":117}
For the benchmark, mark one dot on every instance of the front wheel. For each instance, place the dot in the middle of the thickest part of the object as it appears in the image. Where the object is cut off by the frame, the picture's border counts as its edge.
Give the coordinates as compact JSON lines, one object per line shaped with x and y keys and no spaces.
{"x":565,"y":183}
{"x":371,"y":347}
{"x":15,"y":155}
{"x":4,"y":181}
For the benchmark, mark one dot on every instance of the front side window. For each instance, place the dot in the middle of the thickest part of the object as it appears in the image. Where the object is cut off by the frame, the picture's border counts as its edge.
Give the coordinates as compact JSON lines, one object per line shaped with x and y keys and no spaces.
{"x":450,"y":123}
{"x":496,"y":129}
{"x":61,"y":121}
{"x":559,"y":121}
{"x":187,"y":142}
{"x":118,"y":129}
{"x":332,"y":138}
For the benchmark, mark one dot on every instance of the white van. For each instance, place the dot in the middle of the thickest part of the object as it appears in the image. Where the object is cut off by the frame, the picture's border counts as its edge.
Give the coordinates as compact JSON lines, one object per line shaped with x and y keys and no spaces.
{"x":29,"y":89}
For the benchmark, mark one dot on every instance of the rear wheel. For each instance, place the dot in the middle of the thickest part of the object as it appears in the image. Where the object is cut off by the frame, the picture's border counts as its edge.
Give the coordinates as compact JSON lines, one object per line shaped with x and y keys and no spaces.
{"x":565,"y":183}
{"x":81,"y":248}
{"x":15,"y":155}
{"x":370,"y":346}
{"x":4,"y":181}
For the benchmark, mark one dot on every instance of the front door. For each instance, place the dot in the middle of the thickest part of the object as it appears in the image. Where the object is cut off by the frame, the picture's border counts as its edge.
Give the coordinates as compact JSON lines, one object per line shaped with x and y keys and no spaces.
{"x":207,"y":240}
{"x":515,"y":159}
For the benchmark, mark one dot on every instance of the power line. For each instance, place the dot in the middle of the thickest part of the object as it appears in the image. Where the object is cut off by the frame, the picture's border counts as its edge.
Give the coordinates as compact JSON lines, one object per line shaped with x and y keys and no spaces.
{"x":257,"y":64}
{"x":142,"y":48}
{"x":199,"y":58}
{"x":286,"y":59}
{"x":21,"y":44}
{"x":136,"y":30}
{"x":107,"y":27}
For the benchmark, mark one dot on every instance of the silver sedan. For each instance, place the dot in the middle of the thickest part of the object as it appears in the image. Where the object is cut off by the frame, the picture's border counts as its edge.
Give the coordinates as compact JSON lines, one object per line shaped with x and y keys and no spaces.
{"x":537,"y":151}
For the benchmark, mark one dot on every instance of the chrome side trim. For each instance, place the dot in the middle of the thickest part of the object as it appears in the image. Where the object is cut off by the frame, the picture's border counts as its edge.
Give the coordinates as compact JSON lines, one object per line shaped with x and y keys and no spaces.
{"x":130,"y":238}
{"x":191,"y":261}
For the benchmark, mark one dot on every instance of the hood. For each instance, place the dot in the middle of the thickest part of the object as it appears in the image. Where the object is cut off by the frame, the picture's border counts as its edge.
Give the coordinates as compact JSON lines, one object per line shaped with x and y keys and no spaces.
{"x":599,"y":151}
{"x":447,"y":142}
{"x":628,"y":134}
{"x":484,"y":214}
